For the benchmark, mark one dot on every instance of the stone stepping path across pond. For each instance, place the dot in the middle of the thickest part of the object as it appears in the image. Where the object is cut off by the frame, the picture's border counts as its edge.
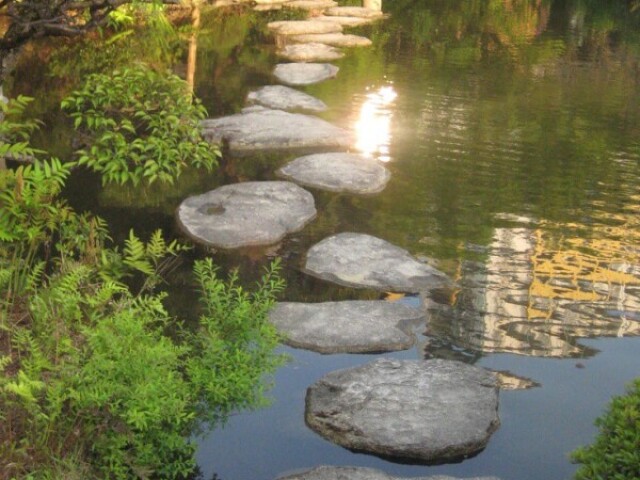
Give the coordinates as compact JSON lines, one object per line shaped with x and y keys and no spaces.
{"x":358,"y":326}
{"x":363,"y":261}
{"x":326,"y":472}
{"x":310,"y":52}
{"x":337,"y":172}
{"x":421,"y":410}
{"x":284,"y":98}
{"x":299,"y":74}
{"x":299,"y":27}
{"x":332,"y":39}
{"x":246,"y":214}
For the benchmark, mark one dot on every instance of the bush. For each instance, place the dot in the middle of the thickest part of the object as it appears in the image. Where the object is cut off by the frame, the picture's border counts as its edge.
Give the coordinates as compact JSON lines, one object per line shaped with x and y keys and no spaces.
{"x":140,"y":125}
{"x":615,"y":454}
{"x":92,"y":384}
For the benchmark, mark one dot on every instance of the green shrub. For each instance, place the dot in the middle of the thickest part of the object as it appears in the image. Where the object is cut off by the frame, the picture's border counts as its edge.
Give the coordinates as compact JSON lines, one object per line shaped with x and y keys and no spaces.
{"x":92,"y":384}
{"x":140,"y":126}
{"x":615,"y":454}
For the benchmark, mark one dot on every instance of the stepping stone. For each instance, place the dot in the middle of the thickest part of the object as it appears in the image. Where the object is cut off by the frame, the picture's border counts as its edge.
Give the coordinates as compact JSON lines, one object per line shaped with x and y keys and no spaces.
{"x":304,"y":73}
{"x":333,"y":39}
{"x":346,"y":327}
{"x":360,"y":12}
{"x":246,"y":214}
{"x":285,"y":98}
{"x":423,"y":411}
{"x":310,"y":52}
{"x":312,"y":5}
{"x":346,"y":21}
{"x":326,"y":472}
{"x":298,"y":27}
{"x":260,"y":128}
{"x":362,"y":261}
{"x":337,"y":172}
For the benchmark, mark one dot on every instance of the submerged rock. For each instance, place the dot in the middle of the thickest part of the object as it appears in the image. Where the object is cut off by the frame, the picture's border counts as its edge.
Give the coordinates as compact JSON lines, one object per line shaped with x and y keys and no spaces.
{"x":362,"y":261}
{"x":346,"y":327}
{"x":425,"y":411}
{"x":298,"y":27}
{"x":246,"y":214}
{"x":310,"y":52}
{"x":304,"y":73}
{"x":265,"y":129}
{"x":285,"y":98}
{"x":326,"y":472}
{"x":333,"y":39}
{"x":337,"y":172}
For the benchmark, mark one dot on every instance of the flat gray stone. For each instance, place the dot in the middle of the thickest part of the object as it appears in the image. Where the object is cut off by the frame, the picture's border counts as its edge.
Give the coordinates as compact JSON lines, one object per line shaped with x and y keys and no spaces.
{"x":246,"y":214}
{"x":357,"y":326}
{"x":285,"y":98}
{"x":363,"y":261}
{"x":298,"y":27}
{"x":310,"y":52}
{"x":346,"y":21}
{"x":325,"y":472}
{"x":265,"y":129}
{"x":337,"y":172}
{"x":304,"y":73}
{"x":333,"y":39}
{"x":426,"y":411}
{"x":360,"y":12}
{"x":312,"y":5}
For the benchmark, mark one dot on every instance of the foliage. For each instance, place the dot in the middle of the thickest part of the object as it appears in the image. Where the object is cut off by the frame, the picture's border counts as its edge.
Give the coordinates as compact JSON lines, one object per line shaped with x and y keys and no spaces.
{"x":615,"y":454}
{"x":15,"y":132}
{"x":143,"y":125}
{"x":91,"y":382}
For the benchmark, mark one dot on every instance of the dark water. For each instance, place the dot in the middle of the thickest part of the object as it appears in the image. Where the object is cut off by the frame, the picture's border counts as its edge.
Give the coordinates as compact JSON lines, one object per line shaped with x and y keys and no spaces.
{"x":512,"y":131}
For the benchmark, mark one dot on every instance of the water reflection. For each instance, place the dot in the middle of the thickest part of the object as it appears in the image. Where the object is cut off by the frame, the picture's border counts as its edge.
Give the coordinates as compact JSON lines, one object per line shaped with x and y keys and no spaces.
{"x":540,"y":288}
{"x":373,"y":127}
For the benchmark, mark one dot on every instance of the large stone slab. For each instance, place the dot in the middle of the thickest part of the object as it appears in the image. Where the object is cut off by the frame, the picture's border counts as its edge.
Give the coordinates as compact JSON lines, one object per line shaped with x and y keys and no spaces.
{"x":312,"y":5}
{"x":424,"y":411}
{"x":360,"y":12}
{"x":264,"y":129}
{"x":325,"y":472}
{"x":337,"y":172}
{"x":333,"y":39}
{"x":246,"y":214}
{"x":298,"y":27}
{"x":363,"y":261}
{"x":285,"y":98}
{"x":346,"y":21}
{"x":304,"y":73}
{"x":310,"y":52}
{"x":357,"y":326}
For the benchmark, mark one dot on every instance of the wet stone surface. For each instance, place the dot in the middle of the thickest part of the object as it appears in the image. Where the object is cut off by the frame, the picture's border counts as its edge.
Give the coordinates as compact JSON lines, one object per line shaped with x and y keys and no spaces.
{"x":325,"y":472}
{"x":246,"y":214}
{"x":419,"y":411}
{"x":333,"y":39}
{"x":363,"y":261}
{"x":299,"y":27}
{"x":337,"y":172}
{"x":360,"y":12}
{"x":260,"y":128}
{"x":304,"y":73}
{"x":346,"y":327}
{"x":310,"y":52}
{"x":284,"y":98}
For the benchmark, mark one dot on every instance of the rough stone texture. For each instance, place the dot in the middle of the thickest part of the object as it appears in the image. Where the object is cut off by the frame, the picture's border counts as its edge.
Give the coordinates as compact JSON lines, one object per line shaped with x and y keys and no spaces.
{"x":285,"y":98}
{"x":357,"y":326}
{"x":325,"y":472}
{"x":361,"y":12}
{"x":263,"y":129}
{"x":333,"y":39}
{"x":312,"y":5}
{"x":298,"y":27}
{"x":426,"y":411}
{"x":346,"y":21}
{"x":337,"y":172}
{"x":304,"y":73}
{"x":246,"y":214}
{"x":310,"y":52}
{"x":362,"y":261}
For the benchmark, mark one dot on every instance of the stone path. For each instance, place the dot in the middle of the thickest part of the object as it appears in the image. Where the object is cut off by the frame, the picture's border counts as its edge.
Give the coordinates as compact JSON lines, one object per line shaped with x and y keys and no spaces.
{"x":299,"y":74}
{"x":285,"y":98}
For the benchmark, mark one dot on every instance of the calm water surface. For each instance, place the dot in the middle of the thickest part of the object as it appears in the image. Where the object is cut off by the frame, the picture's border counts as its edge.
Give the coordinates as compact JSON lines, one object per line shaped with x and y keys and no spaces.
{"x":512,"y":131}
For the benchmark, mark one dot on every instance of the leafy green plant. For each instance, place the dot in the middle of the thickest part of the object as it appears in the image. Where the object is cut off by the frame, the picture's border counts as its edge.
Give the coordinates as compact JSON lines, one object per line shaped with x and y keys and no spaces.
{"x":140,"y":126}
{"x":15,"y":132}
{"x":615,"y":454}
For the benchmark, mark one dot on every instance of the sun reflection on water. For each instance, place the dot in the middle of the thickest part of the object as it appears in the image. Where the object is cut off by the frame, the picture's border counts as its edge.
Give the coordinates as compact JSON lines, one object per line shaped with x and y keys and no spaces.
{"x":373,"y":127}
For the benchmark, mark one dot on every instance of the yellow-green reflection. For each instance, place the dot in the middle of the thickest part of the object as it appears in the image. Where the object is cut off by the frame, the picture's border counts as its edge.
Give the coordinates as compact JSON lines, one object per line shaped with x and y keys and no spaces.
{"x":373,"y":127}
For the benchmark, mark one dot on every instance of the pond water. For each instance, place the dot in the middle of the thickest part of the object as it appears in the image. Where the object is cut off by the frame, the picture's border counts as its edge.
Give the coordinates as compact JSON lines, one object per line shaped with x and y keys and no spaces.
{"x":512,"y":133}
